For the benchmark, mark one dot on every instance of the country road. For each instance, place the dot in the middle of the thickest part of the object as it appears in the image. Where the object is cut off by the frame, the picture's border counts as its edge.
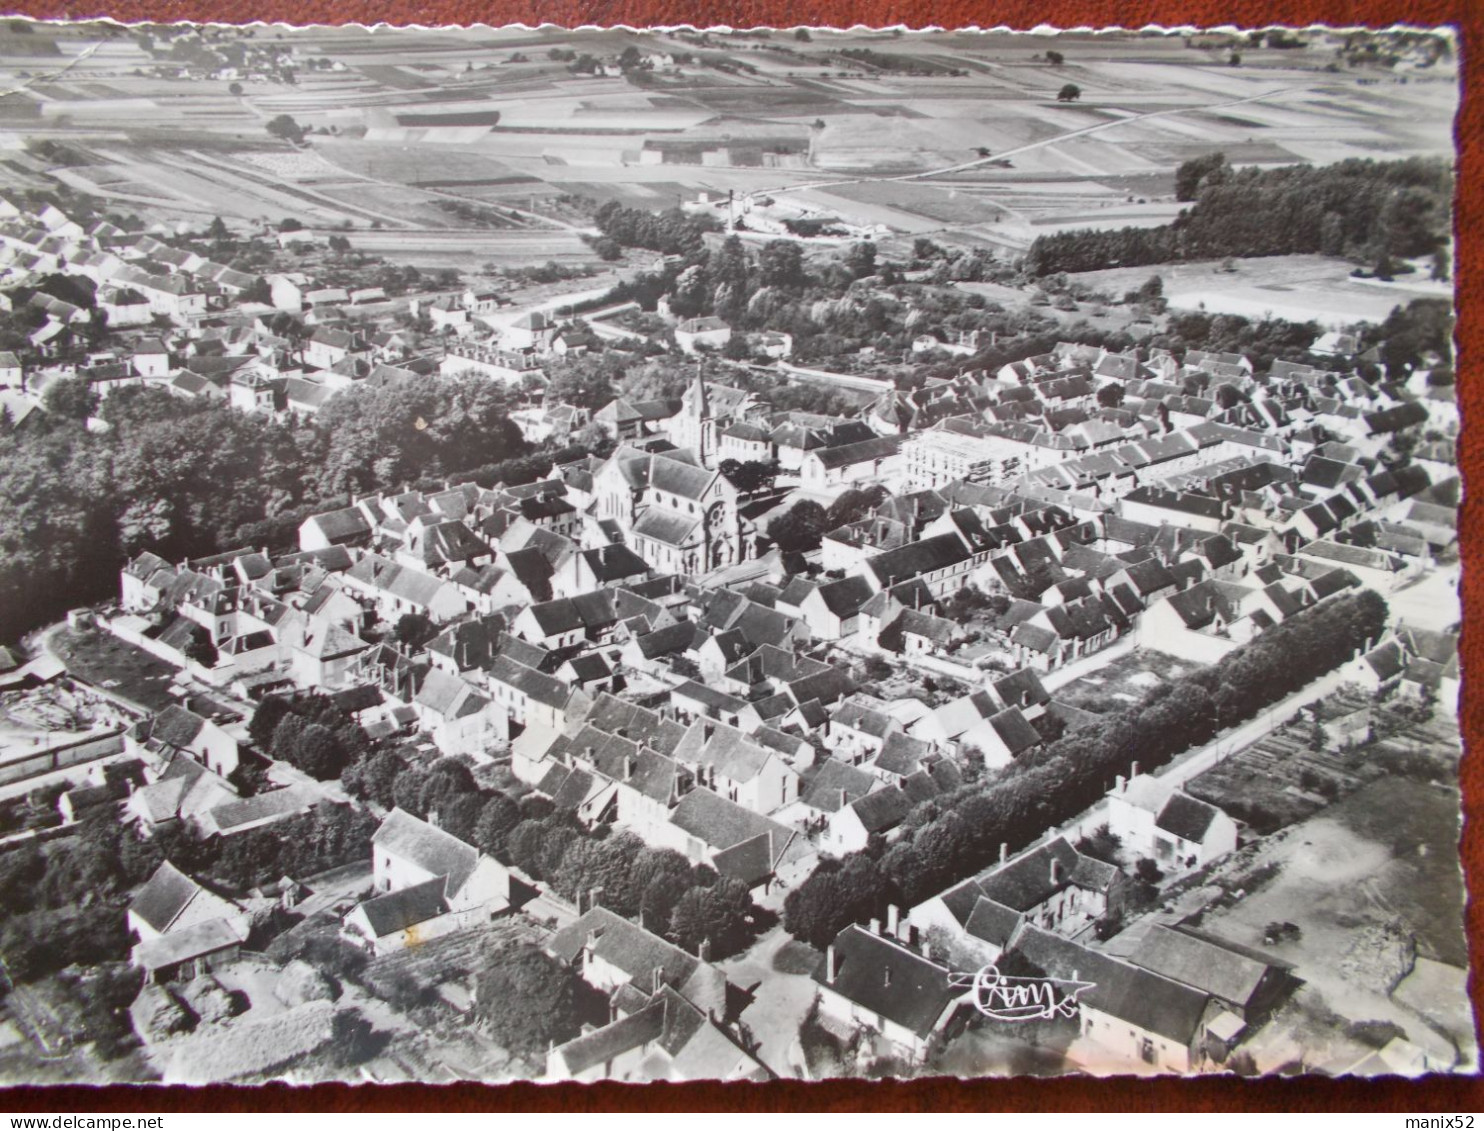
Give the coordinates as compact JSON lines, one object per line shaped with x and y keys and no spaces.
{"x":1084,"y":131}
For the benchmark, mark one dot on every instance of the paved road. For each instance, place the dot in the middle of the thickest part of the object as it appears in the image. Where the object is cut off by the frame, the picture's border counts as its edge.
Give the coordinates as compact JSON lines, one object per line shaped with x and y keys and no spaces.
{"x":780,"y":1005}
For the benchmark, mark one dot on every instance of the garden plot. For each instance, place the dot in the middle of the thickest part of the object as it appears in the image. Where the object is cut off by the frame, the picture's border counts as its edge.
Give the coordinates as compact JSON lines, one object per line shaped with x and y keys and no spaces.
{"x":1123,"y":681}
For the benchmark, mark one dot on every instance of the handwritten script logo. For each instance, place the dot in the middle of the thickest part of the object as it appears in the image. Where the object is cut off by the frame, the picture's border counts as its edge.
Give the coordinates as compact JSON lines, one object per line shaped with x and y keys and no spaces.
{"x":1009,"y":998}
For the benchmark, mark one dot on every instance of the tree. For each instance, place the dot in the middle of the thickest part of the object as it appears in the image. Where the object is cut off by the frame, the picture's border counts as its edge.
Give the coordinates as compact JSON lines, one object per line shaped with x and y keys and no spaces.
{"x":781,"y":264}
{"x":496,"y":820}
{"x":527,"y":1000}
{"x":285,"y":128}
{"x":1069,"y":93}
{"x":801,"y":34}
{"x":70,"y":398}
{"x":860,"y":260}
{"x":750,"y":476}
{"x":414,"y":630}
{"x":235,"y":89}
{"x":799,"y":528}
{"x":1055,"y":58}
{"x":339,"y":244}
{"x":1192,"y":175}
{"x":1110,"y":395}
{"x":318,"y":753}
{"x":1440,"y":265}
{"x":1235,"y":60}
{"x":200,"y":649}
{"x":286,"y":737}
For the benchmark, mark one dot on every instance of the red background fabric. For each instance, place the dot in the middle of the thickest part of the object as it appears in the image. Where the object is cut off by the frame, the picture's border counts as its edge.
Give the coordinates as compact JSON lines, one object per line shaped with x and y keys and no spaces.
{"x":1431,"y":1096}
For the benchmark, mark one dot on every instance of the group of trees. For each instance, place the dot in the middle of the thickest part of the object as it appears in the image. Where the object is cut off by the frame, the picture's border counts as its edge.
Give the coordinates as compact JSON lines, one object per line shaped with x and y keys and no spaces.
{"x":671,"y":233}
{"x":800,"y":528}
{"x":959,"y":834}
{"x":1360,"y":209}
{"x":309,"y":732}
{"x":189,"y":479}
{"x":657,"y":887}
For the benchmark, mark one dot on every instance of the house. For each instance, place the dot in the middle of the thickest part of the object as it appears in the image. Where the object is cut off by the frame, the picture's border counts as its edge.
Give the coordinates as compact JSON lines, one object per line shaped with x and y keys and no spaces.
{"x":1157,"y":820}
{"x":529,"y":698}
{"x":738,"y":842}
{"x":1128,"y":1013}
{"x":851,"y":827}
{"x":695,"y":334}
{"x":832,"y":611}
{"x":177,"y":730}
{"x":1248,"y":983}
{"x":731,"y":764}
{"x":181,"y":926}
{"x":171,"y":901}
{"x":665,"y":1038}
{"x":610,"y":953}
{"x":428,"y":883}
{"x":1051,"y":885}
{"x":875,"y":982}
{"x":348,"y":526}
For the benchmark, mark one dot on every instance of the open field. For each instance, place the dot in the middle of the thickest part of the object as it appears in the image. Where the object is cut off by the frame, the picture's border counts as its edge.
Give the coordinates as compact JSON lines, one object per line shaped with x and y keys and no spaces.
{"x":1367,"y":882}
{"x":1296,"y":287}
{"x":405,"y":118}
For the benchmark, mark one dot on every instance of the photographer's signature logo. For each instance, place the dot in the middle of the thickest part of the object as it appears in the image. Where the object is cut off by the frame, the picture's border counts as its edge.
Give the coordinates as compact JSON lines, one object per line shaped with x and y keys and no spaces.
{"x":1009,"y":998}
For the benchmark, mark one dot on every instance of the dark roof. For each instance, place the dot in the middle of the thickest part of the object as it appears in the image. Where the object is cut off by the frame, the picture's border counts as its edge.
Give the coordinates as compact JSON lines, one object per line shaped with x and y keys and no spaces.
{"x":917,"y":558}
{"x":992,"y":922}
{"x":1015,"y":732}
{"x":1138,"y":997}
{"x":1186,"y":817}
{"x":406,"y":907}
{"x":836,"y":785}
{"x":845,"y":597}
{"x":883,"y":810}
{"x":164,"y":896}
{"x":887,"y":979}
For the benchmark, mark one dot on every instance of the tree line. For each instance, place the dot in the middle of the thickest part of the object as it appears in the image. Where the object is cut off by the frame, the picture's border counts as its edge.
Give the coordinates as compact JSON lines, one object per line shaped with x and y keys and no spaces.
{"x":657,"y":887}
{"x":192,"y":478}
{"x":957,"y":835}
{"x":1360,"y":209}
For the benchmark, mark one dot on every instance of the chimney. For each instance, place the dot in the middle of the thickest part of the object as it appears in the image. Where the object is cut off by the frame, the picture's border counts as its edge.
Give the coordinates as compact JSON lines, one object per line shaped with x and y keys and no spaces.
{"x":893,"y":919}
{"x":1120,"y":783}
{"x":886,"y":976}
{"x":1133,"y":769}
{"x":830,"y":965}
{"x":433,"y":818}
{"x":628,"y":767}
{"x":659,"y":978}
{"x":703,"y":952}
{"x":875,"y":926}
{"x":1004,"y":852}
{"x":1055,"y":870}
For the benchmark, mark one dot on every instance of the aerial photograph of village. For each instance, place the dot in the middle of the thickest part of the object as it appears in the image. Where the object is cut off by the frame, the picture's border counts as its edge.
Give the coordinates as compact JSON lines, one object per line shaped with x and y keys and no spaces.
{"x":533,"y":554}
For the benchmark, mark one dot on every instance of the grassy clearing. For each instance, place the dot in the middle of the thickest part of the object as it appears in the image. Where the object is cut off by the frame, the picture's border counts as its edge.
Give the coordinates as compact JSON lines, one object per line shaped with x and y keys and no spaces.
{"x":105,"y":661}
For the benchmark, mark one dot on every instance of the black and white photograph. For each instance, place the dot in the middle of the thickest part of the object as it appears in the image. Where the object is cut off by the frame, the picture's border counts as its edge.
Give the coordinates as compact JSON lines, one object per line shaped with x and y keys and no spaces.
{"x":689,"y":554}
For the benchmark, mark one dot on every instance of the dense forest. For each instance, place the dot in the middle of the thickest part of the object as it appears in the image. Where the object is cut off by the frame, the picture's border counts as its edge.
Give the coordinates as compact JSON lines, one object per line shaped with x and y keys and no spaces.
{"x":1369,"y":211}
{"x":188,"y":479}
{"x":955,"y":836}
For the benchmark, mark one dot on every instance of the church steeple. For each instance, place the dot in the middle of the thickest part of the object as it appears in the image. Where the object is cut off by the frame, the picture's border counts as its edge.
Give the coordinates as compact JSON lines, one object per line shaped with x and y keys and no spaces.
{"x":700,"y":412}
{"x":699,"y":407}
